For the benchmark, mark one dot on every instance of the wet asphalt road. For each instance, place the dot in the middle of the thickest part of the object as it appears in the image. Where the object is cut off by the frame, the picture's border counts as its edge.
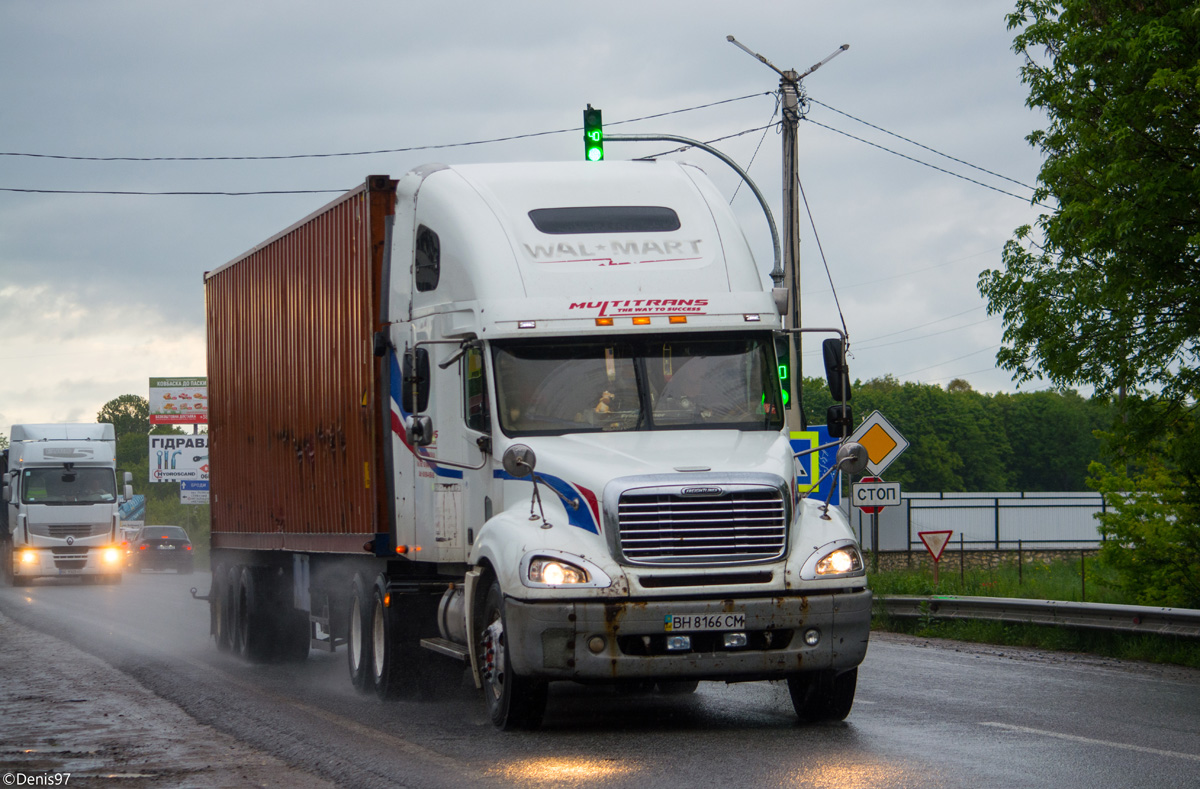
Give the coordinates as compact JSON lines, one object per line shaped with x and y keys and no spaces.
{"x":927,"y":714}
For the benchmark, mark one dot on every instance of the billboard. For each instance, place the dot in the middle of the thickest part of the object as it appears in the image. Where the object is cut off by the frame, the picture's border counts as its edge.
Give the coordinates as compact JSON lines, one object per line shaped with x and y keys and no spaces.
{"x":177,"y":458}
{"x":179,"y":401}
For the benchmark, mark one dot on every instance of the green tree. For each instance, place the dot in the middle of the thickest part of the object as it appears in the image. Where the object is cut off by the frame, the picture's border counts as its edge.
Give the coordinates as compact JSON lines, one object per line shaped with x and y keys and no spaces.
{"x":3,"y":441}
{"x":1152,"y":537}
{"x":128,"y":413}
{"x":1106,"y":292}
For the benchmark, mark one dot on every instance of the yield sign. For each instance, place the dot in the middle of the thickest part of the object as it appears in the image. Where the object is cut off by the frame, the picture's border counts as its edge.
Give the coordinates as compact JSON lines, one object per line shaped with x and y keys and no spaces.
{"x":935,"y":542}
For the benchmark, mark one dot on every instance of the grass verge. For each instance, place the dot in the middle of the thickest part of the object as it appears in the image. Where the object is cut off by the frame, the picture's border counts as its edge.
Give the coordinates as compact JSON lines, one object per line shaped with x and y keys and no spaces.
{"x":1073,"y":581}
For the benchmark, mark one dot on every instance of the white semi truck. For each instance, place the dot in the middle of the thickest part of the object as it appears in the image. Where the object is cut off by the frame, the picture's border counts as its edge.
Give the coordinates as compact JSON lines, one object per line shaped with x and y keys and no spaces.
{"x":525,"y":417}
{"x":61,"y":500}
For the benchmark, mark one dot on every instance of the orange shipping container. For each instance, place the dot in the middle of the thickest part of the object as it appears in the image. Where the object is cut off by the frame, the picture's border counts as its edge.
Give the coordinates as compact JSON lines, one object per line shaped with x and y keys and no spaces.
{"x":295,"y":430}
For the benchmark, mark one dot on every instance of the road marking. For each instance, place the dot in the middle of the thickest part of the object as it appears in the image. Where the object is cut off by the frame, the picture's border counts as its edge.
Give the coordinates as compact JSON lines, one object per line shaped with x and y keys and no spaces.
{"x":1088,"y":740}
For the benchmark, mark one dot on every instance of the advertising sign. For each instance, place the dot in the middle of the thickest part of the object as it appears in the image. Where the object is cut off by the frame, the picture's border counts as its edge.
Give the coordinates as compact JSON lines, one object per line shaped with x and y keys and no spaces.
{"x":179,"y":401}
{"x":178,"y":458}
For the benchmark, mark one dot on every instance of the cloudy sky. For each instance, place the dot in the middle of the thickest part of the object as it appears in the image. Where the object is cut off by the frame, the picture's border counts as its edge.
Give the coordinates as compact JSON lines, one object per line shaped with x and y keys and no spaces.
{"x":99,"y":292}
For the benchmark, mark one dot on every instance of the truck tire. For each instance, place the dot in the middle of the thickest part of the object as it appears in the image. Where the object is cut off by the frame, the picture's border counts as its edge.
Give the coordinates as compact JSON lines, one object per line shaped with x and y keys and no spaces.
{"x":222,"y":609}
{"x":823,"y":696}
{"x":394,"y":644}
{"x":6,"y":561}
{"x":358,"y":632}
{"x":513,"y":701}
{"x":254,"y":642}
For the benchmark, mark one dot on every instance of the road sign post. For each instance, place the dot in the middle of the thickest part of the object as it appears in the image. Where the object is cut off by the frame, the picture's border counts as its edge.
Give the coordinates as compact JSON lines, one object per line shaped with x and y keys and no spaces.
{"x":871,"y":495}
{"x":935,"y":543}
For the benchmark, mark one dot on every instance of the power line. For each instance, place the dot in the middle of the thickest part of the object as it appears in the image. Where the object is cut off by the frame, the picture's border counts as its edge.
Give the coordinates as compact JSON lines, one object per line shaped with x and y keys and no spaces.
{"x":926,"y":147}
{"x":366,"y":153}
{"x":926,"y":164}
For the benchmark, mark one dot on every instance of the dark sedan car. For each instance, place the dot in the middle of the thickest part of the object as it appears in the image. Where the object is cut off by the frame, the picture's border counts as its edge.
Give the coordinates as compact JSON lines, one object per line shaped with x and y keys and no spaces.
{"x":161,"y":548}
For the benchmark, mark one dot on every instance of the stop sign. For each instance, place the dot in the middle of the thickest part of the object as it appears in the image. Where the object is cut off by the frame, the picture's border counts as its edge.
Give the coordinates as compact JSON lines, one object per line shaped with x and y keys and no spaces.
{"x":871,"y":509}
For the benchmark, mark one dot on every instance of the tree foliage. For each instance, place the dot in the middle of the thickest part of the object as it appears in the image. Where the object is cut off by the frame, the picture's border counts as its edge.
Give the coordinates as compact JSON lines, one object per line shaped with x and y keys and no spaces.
{"x":1107,"y":292}
{"x":128,"y":413}
{"x":1152,"y":528}
{"x":963,"y":440}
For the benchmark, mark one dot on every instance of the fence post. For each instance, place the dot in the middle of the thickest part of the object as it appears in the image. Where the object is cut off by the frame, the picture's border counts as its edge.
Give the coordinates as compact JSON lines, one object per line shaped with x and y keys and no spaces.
{"x":962,"y":561}
{"x":1020,"y":565}
{"x":996,"y":504}
{"x":1082,"y":577}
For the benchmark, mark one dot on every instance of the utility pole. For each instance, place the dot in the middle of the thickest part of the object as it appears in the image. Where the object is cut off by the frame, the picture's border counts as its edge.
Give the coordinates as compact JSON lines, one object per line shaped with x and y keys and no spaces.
{"x":791,"y":97}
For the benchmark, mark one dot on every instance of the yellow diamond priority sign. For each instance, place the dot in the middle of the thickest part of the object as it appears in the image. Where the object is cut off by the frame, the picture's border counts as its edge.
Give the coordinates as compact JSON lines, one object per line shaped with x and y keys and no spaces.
{"x":882,"y":441}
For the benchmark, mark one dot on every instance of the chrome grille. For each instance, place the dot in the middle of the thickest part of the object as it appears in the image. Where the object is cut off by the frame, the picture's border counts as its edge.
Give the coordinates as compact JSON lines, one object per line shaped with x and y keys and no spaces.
{"x":74,"y":530}
{"x":742,"y":525}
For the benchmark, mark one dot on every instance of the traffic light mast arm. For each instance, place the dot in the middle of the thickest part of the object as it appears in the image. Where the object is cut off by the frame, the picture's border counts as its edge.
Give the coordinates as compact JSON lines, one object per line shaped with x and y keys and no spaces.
{"x":777,"y":271}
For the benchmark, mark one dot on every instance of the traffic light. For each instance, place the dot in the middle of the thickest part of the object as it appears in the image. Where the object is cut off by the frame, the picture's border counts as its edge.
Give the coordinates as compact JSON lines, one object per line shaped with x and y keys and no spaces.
{"x":783,"y":357}
{"x":593,"y":135}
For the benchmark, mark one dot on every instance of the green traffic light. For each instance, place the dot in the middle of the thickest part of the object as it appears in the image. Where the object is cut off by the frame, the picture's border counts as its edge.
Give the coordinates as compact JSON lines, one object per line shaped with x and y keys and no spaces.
{"x":593,"y":135}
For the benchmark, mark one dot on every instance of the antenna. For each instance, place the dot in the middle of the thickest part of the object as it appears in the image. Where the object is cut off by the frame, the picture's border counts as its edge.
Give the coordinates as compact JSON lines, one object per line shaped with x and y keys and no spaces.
{"x":792,"y":95}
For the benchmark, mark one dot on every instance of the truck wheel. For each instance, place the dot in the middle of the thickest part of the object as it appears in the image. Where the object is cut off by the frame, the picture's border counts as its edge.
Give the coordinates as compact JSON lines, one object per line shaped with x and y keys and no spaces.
{"x":295,"y":637}
{"x":253,"y":621}
{"x":6,"y":562}
{"x":358,"y":645}
{"x":394,"y":661}
{"x":513,"y":701}
{"x":218,"y":625}
{"x":822,"y":695}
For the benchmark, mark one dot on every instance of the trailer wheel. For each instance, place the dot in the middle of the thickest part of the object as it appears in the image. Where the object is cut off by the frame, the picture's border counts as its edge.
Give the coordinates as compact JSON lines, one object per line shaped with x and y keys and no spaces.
{"x":822,"y":696}
{"x":358,"y":647}
{"x":513,"y":701}
{"x":6,"y":561}
{"x":394,"y":661}
{"x":295,"y":637}
{"x":253,"y":622}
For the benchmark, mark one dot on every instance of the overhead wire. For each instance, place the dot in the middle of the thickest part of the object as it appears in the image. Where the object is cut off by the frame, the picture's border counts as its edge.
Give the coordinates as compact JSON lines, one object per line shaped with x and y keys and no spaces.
{"x":409,"y":149}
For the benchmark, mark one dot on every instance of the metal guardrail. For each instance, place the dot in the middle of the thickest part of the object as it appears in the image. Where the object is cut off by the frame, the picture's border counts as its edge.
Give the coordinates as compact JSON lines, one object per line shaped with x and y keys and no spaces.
{"x":1096,"y":616}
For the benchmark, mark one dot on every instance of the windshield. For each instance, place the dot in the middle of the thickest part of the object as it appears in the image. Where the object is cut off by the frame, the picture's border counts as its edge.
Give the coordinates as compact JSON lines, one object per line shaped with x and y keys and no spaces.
{"x":637,"y":383}
{"x":68,"y":486}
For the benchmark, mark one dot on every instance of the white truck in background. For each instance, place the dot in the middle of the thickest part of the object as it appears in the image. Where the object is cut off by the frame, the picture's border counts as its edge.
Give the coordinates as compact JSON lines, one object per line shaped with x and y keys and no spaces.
{"x":526,"y":417}
{"x":61,"y":502}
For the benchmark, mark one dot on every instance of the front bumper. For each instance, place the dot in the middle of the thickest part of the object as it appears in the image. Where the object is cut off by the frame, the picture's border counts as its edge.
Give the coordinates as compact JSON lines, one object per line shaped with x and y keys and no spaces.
{"x":611,"y":640}
{"x":76,"y":560}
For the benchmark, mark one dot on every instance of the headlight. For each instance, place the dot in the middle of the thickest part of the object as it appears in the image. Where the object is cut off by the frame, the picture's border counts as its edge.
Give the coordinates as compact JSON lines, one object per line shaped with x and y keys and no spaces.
{"x":111,"y":556}
{"x":29,"y":557}
{"x":843,"y":560}
{"x":543,"y":570}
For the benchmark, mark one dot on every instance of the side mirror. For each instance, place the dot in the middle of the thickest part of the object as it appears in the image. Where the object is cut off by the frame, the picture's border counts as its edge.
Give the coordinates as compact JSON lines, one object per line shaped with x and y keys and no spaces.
{"x":420,"y":430}
{"x":852,"y":458}
{"x":839,"y":420}
{"x":415,"y":386}
{"x":7,"y":493}
{"x":837,"y":372}
{"x":519,"y":460}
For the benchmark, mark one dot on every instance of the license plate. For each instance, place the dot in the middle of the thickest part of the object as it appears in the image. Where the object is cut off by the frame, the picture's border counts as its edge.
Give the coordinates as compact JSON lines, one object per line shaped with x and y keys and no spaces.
{"x":701,"y":622}
{"x":69,"y":572}
{"x":166,"y":547}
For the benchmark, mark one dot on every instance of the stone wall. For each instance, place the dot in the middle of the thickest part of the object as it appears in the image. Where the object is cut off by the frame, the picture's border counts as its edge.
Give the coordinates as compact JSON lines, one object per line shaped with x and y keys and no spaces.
{"x":954,"y":561}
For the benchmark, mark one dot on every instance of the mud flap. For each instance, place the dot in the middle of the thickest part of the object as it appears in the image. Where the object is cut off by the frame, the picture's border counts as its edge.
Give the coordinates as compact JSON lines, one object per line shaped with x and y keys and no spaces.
{"x":472,"y":580}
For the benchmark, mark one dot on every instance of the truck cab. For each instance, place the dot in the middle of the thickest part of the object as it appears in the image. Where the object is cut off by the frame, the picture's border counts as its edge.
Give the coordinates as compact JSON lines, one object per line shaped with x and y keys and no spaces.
{"x":61,"y":497}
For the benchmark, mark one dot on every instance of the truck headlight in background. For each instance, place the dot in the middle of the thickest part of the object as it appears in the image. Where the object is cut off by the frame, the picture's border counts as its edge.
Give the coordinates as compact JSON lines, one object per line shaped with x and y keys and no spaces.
{"x":29,"y":557}
{"x":110,"y":555}
{"x":550,"y":568}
